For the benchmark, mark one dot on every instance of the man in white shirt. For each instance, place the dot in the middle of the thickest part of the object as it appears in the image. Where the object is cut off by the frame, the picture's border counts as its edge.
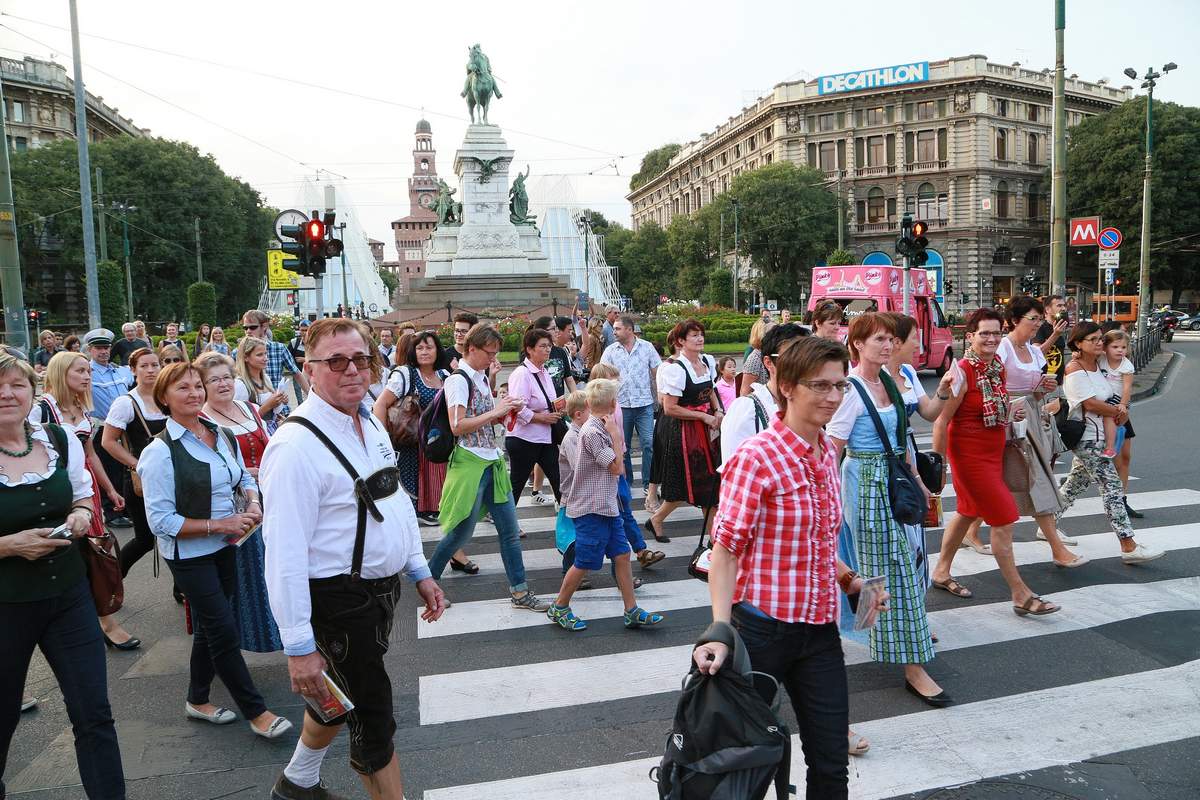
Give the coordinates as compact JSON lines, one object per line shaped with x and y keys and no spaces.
{"x":386,"y":347}
{"x":332,"y":594}
{"x":751,"y":413}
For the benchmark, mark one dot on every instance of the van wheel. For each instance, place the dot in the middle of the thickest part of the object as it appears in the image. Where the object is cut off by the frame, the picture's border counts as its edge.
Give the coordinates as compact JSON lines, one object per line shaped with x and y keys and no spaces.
{"x":945,"y":365}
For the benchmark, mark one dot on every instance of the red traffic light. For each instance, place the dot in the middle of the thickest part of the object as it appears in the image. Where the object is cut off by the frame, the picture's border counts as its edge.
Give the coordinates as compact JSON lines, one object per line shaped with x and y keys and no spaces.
{"x":316,"y":229}
{"x":919,"y":228}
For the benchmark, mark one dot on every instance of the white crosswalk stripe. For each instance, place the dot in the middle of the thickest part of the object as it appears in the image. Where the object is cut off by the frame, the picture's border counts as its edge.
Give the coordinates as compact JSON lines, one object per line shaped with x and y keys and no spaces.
{"x":968,"y":742}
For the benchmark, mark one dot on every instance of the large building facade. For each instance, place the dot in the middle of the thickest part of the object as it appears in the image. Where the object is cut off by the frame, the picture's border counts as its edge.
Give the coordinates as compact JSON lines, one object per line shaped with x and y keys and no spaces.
{"x":39,"y":106}
{"x":962,"y":143}
{"x":413,"y":231}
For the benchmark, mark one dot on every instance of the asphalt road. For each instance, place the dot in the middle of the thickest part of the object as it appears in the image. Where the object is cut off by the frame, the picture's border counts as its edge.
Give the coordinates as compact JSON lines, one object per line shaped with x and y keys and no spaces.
{"x":1099,"y":701}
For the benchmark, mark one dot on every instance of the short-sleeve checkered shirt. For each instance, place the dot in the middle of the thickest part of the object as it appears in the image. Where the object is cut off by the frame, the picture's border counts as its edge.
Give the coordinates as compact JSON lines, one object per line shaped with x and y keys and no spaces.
{"x":779,"y":514}
{"x":593,"y":487}
{"x":279,"y":359}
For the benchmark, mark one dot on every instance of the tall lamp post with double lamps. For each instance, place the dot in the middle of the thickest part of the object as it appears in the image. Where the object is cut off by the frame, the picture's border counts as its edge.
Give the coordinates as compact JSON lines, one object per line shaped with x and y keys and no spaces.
{"x":1148,"y":83}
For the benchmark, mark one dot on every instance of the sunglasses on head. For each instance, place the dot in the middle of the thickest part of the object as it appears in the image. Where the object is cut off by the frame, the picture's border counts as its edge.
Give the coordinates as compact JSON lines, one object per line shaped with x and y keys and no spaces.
{"x":172,"y":360}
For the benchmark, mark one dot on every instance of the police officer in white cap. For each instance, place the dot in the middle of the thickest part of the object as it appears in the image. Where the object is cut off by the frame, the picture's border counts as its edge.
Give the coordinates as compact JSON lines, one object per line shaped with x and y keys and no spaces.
{"x":109,"y":381}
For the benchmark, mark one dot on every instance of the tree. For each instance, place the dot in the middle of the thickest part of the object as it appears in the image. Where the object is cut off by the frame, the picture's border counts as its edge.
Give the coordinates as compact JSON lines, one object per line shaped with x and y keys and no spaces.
{"x":1105,"y":166}
{"x":646,"y":269}
{"x":202,"y":304}
{"x":599,"y":222}
{"x":171,"y":184}
{"x":615,"y":240}
{"x":111,"y":279}
{"x":653,"y":164}
{"x":389,"y":280}
{"x":787,"y":220}
{"x":692,"y":253}
{"x":718,"y":290}
{"x":839,"y":258}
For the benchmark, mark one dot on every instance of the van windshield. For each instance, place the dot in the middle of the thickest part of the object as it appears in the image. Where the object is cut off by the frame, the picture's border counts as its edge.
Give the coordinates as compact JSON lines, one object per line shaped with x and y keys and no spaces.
{"x":860,"y":306}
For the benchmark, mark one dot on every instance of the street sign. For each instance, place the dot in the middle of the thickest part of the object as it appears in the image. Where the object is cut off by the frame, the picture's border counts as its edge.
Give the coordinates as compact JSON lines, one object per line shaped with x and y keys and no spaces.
{"x":1110,"y":275}
{"x":1110,"y":239}
{"x":1084,"y":231}
{"x":279,"y":278}
{"x":1110,"y":259}
{"x":772,"y":305}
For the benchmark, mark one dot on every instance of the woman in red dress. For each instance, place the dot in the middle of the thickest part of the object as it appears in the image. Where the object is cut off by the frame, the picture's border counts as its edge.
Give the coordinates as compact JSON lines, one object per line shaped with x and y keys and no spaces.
{"x":970,"y":431}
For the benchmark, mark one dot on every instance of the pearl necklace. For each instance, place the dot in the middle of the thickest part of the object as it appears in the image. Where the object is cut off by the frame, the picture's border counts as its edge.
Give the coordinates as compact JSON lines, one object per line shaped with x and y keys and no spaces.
{"x":28,"y":444}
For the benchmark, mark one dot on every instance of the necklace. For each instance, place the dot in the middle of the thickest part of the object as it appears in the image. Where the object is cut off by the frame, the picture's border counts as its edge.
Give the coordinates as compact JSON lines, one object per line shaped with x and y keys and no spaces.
{"x":876,"y":382}
{"x":28,"y":444}
{"x":229,"y":418}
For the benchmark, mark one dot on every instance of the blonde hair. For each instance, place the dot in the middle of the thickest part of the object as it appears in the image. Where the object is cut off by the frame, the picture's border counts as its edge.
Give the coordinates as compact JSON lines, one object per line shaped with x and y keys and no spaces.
{"x":209,"y":361}
{"x":56,"y":380}
{"x":215,"y":330}
{"x":10,"y":363}
{"x":757,"y":331}
{"x":241,"y":370}
{"x":601,"y":394}
{"x":576,"y":402}
{"x":604,"y":372}
{"x":1115,"y":336}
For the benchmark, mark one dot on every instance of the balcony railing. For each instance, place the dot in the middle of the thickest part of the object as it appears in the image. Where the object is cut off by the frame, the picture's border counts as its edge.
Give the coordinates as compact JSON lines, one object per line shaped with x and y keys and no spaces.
{"x":879,"y":169}
{"x":926,"y":166}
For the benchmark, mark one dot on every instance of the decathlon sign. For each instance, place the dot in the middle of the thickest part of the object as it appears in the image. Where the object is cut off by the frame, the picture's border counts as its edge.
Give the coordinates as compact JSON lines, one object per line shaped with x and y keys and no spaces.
{"x":916,"y":72}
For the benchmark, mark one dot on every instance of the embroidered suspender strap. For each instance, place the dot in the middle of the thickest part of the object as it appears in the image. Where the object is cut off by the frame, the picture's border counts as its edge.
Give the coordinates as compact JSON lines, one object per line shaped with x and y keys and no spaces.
{"x":361,"y":492}
{"x":760,"y":413}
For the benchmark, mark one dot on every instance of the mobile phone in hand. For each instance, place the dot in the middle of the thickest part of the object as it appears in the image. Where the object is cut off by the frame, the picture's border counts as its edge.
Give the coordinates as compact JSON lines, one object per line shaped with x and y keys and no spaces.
{"x":61,"y":532}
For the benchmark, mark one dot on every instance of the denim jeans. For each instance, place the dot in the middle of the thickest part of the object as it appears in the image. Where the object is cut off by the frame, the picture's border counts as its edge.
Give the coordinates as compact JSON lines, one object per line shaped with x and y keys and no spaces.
{"x":641,"y":417}
{"x":633,"y":531}
{"x":807,"y":660}
{"x":66,"y":630}
{"x":209,"y":583}
{"x":504,"y":514}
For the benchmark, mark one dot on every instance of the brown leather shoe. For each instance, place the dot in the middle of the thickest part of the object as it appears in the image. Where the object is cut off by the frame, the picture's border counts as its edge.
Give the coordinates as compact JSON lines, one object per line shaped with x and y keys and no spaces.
{"x":286,"y":790}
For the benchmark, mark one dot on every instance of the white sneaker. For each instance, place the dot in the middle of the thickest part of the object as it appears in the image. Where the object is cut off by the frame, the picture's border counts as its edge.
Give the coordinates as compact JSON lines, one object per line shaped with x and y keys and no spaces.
{"x":540,"y":499}
{"x":1141,"y":554}
{"x":1067,"y":540}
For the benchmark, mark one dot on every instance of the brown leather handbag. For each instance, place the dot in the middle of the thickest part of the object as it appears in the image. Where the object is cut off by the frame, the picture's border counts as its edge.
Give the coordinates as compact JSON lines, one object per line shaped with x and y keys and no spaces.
{"x":1018,"y":463}
{"x":405,"y":415}
{"x":102,"y":556}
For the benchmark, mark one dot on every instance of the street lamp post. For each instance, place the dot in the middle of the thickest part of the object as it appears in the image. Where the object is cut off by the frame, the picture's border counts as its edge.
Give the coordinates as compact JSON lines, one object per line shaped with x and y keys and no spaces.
{"x":124,"y":209}
{"x":735,"y":254}
{"x":1148,"y":83}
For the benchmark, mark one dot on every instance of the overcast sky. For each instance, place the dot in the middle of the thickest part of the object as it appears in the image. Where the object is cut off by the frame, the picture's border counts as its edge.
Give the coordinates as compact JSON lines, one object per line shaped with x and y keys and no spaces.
{"x":588,"y":87}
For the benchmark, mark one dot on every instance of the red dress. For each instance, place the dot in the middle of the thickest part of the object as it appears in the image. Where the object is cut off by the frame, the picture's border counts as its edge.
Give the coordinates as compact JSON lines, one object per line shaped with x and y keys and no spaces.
{"x":976,"y":456}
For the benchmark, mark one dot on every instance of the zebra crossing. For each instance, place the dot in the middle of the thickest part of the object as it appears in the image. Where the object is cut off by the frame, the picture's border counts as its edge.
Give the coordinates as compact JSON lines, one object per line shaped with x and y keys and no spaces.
{"x":551,"y":714}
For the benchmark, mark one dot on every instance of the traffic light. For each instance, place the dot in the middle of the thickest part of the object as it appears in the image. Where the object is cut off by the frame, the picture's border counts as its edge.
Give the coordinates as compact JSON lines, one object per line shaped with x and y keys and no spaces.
{"x":314,"y":243}
{"x":34,"y":317}
{"x":1029,"y":283}
{"x":917,"y":256}
{"x":904,"y":245}
{"x":295,"y":252}
{"x":307,"y":253}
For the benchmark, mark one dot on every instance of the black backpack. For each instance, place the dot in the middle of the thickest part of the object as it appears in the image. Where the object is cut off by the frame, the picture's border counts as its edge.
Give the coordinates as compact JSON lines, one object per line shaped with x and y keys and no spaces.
{"x":727,"y":742}
{"x":433,"y":431}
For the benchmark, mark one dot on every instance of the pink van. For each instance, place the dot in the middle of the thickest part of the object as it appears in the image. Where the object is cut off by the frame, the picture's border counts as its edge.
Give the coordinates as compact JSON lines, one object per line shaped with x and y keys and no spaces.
{"x":858,"y":289}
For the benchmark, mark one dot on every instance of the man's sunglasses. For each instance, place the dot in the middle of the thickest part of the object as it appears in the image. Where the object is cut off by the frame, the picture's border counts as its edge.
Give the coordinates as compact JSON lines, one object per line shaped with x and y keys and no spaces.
{"x":342,"y":363}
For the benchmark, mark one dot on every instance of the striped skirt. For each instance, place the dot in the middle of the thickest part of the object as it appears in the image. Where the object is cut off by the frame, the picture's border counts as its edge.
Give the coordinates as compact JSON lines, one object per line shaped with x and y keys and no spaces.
{"x":901,"y":636}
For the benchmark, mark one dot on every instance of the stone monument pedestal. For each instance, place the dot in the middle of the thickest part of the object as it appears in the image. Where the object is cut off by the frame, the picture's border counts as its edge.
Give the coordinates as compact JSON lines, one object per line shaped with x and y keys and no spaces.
{"x":486,"y":242}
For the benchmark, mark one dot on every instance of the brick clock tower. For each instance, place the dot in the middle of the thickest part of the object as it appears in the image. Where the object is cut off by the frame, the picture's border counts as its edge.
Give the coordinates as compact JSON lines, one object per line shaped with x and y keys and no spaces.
{"x":412,"y":231}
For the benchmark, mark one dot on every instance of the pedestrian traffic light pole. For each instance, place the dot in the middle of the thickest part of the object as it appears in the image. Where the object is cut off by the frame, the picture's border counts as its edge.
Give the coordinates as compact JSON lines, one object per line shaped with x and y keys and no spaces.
{"x":735,"y":254}
{"x":15,"y":325}
{"x":125,"y":208}
{"x":1148,"y":83}
{"x":85,"y":179}
{"x":1058,"y":176}
{"x":345,"y":291}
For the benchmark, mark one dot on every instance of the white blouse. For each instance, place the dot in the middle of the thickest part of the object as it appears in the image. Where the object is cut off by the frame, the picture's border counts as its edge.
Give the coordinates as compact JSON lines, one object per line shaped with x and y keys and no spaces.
{"x":1019,"y":375}
{"x":81,"y":479}
{"x":671,"y":379}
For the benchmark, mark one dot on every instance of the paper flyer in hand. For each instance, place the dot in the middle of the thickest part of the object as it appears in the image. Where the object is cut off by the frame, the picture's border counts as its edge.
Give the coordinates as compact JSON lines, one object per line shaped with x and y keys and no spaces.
{"x":334,"y":706}
{"x":866,"y":615}
{"x":957,"y":378}
{"x":238,"y":541}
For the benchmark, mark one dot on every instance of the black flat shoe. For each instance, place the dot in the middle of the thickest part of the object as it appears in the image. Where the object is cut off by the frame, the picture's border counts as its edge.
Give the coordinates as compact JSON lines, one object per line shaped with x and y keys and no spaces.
{"x":132,"y":643}
{"x":471,"y":568}
{"x":939,"y":700}
{"x":1133,"y":514}
{"x":650,"y":530}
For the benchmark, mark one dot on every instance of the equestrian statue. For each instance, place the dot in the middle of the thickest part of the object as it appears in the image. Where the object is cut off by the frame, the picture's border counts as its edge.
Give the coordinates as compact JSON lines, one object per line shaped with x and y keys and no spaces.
{"x":480,"y":86}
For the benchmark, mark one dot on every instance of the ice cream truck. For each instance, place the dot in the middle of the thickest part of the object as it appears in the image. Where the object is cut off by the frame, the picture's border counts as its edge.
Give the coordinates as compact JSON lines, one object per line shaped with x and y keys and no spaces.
{"x":862,"y":288}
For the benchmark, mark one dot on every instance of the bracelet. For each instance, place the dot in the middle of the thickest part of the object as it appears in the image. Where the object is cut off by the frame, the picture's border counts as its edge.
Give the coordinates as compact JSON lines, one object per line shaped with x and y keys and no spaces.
{"x":845,"y":580}
{"x":208,"y":527}
{"x":89,"y":511}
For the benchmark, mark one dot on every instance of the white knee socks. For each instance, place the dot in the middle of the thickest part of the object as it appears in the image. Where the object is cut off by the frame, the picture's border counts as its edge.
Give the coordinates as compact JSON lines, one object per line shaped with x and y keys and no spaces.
{"x":304,"y":769}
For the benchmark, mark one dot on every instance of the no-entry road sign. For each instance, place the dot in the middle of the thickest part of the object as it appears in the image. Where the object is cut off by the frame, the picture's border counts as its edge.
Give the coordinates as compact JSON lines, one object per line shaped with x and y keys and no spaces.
{"x":1084,"y":231}
{"x":1110,"y":239}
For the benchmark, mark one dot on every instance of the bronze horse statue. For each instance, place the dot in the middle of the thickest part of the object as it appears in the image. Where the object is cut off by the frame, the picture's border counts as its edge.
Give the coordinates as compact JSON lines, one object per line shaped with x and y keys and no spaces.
{"x":480,"y":86}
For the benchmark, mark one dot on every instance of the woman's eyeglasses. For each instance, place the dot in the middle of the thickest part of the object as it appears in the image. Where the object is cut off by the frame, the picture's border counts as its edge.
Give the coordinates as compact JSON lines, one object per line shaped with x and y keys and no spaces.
{"x":172,"y":361}
{"x":342,"y":363}
{"x":825,"y":387}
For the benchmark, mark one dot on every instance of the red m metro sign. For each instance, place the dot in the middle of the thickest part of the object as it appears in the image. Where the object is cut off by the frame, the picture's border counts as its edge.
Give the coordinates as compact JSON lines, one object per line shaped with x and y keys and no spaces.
{"x":1084,"y":231}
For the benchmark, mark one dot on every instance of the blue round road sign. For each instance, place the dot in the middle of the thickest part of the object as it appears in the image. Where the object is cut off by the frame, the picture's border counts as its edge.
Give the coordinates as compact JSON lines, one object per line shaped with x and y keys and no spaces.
{"x":1110,"y":239}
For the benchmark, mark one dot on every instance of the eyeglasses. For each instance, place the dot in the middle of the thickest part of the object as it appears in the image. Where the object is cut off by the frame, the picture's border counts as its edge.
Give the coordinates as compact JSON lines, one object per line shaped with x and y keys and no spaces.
{"x":1031,"y":319}
{"x":341,"y":363}
{"x":1092,"y":339}
{"x":172,"y":360}
{"x":219,"y":379}
{"x":251,"y":327}
{"x":461,"y":331}
{"x":988,"y":334}
{"x":825,"y":387}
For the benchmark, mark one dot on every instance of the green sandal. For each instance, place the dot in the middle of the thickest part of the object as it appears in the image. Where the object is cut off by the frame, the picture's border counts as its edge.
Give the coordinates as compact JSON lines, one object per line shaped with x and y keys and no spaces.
{"x":638,"y":617}
{"x":565,"y":618}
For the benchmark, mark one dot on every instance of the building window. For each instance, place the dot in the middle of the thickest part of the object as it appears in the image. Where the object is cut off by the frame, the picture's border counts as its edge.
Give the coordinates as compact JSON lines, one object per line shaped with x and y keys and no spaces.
{"x":1032,"y":152}
{"x":1033,"y":257}
{"x":18,"y":111}
{"x":750,"y":144}
{"x":1001,"y":144}
{"x":768,"y":135}
{"x":1003,"y":255}
{"x":1001,"y":107}
{"x":876,"y":153}
{"x":876,"y":205}
{"x":927,"y":109}
{"x":926,"y":146}
{"x":827,"y":159}
{"x":710,"y":165}
{"x":1033,"y":201}
{"x":724,"y":159}
{"x":424,"y":165}
{"x":737,"y":151}
{"x":825,"y":122}
{"x":875,"y":116}
{"x":1033,"y":112}
{"x":926,"y":201}
{"x":1002,"y":200}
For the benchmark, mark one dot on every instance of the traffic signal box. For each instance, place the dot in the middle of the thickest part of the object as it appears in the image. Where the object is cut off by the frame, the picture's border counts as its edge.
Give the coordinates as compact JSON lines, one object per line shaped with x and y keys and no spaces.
{"x":311,"y":245}
{"x":913,"y":242}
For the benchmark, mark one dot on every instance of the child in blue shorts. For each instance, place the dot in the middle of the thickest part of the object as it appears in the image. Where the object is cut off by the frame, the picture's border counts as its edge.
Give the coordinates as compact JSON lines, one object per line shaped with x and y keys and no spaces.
{"x":592,"y":504}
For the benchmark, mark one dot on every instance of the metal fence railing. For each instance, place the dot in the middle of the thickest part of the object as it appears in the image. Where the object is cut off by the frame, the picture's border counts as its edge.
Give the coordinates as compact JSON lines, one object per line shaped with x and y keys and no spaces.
{"x":1145,"y":348}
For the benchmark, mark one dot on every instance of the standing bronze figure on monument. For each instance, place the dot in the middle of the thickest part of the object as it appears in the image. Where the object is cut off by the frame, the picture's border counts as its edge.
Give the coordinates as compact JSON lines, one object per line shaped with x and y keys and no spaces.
{"x":480,"y":86}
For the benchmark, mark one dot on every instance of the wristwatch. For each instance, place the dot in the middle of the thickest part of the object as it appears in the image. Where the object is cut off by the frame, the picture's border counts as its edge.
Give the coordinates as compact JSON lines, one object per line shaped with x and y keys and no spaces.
{"x":845,"y":580}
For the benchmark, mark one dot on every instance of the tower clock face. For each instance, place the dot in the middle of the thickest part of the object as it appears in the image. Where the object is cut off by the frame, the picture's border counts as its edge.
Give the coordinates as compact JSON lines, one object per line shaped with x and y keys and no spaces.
{"x":426,"y":200}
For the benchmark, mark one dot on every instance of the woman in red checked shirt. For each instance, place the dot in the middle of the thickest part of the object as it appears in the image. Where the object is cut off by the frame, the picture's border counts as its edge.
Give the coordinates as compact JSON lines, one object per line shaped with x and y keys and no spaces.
{"x":775,"y":572}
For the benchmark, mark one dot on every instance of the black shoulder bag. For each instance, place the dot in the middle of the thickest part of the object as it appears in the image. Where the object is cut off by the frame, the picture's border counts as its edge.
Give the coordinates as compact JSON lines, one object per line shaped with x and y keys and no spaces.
{"x":904,"y":496}
{"x":558,"y":429}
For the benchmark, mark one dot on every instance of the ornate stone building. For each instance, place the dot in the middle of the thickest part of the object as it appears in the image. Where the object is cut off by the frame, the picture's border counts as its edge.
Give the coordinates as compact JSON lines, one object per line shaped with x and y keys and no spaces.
{"x":962,"y":143}
{"x":413,"y":231}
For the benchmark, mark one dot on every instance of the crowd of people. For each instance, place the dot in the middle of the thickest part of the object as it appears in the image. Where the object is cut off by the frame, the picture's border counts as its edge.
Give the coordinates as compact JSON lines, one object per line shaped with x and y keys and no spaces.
{"x":792,"y":458}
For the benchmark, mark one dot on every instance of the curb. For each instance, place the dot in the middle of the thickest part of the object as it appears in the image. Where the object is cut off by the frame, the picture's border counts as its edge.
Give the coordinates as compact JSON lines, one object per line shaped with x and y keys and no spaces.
{"x":1162,"y":378}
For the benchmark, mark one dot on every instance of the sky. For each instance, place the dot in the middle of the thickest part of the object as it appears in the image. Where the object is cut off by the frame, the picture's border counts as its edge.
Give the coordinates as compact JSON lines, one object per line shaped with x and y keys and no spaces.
{"x":588,"y":88}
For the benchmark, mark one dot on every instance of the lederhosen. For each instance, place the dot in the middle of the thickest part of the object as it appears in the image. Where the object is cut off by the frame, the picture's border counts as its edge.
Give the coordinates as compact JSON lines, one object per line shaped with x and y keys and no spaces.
{"x":351,"y":620}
